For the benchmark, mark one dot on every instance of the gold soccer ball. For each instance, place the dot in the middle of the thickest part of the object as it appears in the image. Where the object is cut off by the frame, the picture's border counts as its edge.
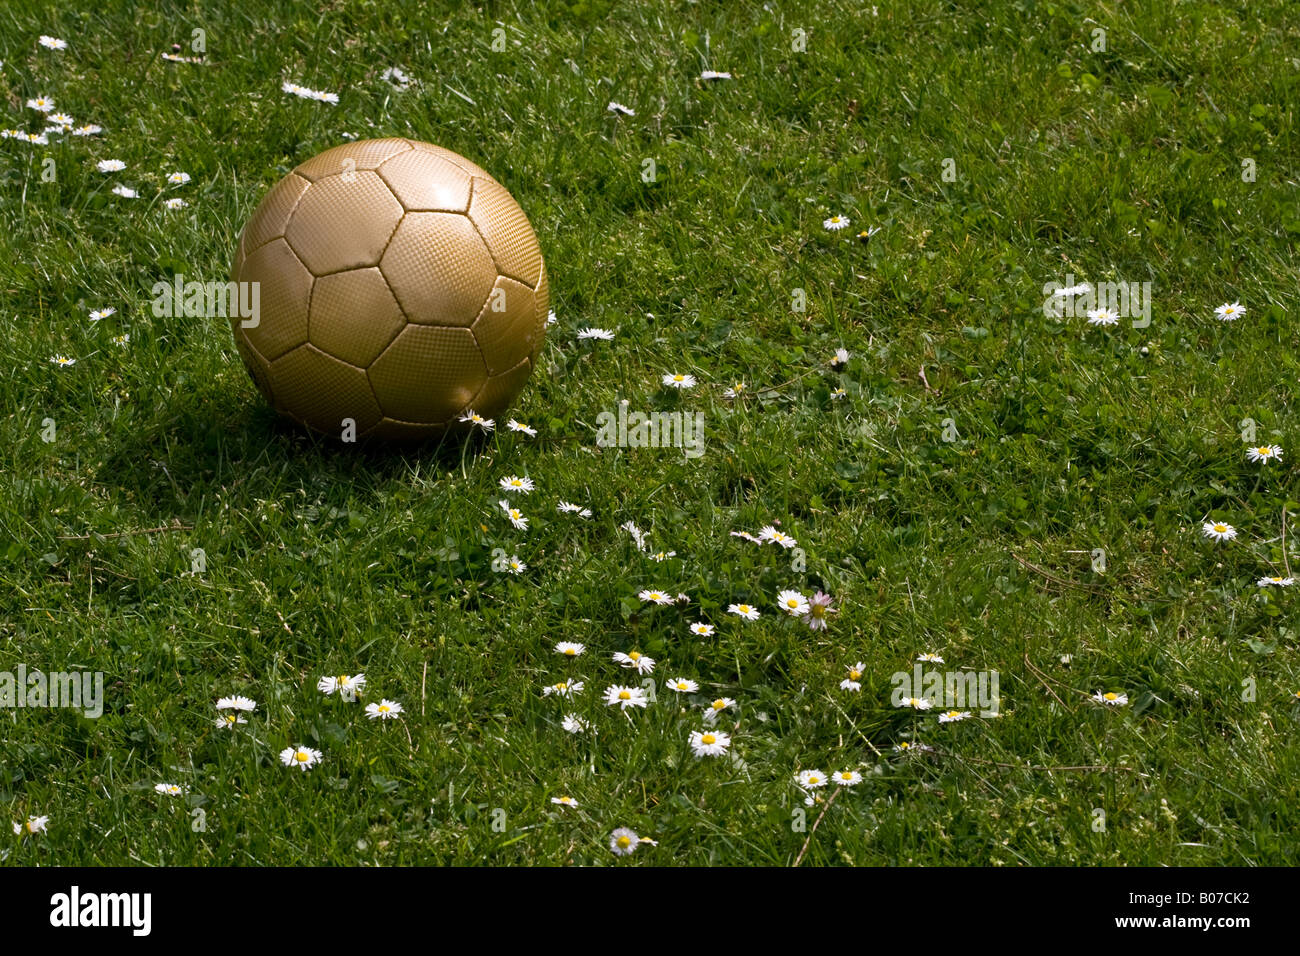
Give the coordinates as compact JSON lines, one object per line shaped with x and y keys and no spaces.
{"x":399,"y":287}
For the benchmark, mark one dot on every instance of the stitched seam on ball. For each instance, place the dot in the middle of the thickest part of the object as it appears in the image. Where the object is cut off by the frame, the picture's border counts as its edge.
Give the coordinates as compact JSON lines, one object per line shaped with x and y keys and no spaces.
{"x":287,"y":219}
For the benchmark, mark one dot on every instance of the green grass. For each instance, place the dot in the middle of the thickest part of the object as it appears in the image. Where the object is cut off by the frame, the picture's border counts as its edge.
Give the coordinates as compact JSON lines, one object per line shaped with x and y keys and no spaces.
{"x":320,"y":558}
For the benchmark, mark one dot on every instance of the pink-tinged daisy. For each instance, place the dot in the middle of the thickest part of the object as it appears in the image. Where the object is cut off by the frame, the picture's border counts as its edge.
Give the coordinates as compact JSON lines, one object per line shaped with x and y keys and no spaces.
{"x":304,"y":758}
{"x":747,"y":611}
{"x":709,"y":743}
{"x":636,"y":661}
{"x":793,"y":603}
{"x":819,"y":607}
{"x":625,"y":697}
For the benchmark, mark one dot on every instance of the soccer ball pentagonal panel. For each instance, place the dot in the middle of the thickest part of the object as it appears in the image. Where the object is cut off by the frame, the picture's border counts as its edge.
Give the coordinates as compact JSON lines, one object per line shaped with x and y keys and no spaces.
{"x":351,"y":157}
{"x":284,"y":287}
{"x":322,"y":391}
{"x":438,"y":268}
{"x":273,"y":213}
{"x":505,"y":327}
{"x":422,"y":181}
{"x":343,"y":222}
{"x":353,"y":315}
{"x":428,"y":374}
{"x":506,"y":231}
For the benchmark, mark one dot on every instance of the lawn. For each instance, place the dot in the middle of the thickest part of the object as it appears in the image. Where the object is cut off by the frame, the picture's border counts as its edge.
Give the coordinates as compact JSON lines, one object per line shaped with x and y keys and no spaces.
{"x":984,"y":480}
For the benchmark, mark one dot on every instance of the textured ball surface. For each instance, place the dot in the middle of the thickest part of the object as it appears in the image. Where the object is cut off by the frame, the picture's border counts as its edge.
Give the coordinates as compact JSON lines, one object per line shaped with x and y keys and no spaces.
{"x":400,"y":286}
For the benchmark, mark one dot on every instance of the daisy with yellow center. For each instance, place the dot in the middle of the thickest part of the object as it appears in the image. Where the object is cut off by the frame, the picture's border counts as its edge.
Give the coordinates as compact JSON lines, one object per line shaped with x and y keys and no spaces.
{"x":1110,"y":698}
{"x":709,"y":743}
{"x":304,"y":758}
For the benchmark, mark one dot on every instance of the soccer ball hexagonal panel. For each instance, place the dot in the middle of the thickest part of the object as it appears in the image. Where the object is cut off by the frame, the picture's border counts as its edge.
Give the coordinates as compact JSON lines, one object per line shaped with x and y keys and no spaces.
{"x":506,"y":231}
{"x":284,"y":290}
{"x":354,"y":316}
{"x":428,"y":374}
{"x":425,"y":182}
{"x":322,"y":392}
{"x":343,"y":222}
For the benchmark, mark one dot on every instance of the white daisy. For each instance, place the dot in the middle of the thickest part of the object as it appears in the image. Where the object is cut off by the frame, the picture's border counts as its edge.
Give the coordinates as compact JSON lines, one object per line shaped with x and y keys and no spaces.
{"x":663,"y":555}
{"x":52,"y":43}
{"x":709,"y":743}
{"x":615,"y":107}
{"x":681,"y":685}
{"x":916,"y":703}
{"x":852,"y":682}
{"x":840,"y":358}
{"x":769,"y":533}
{"x":637,"y":534}
{"x":1275,"y":582}
{"x":846,"y":778}
{"x":565,"y":801}
{"x":679,"y":380}
{"x":575,"y":724}
{"x":515,"y":515}
{"x":605,"y":335}
{"x":516,"y":565}
{"x":62,"y":361}
{"x":515,"y":483}
{"x":228,"y":721}
{"x":123,"y":339}
{"x":792,"y":602}
{"x":1110,"y":698}
{"x":1228,"y":312}
{"x":565,"y":688}
{"x":747,"y":611}
{"x":1264,"y":453}
{"x":98,"y":314}
{"x":1102,"y":316}
{"x":178,"y":178}
{"x":487,"y":424}
{"x":700,"y":629}
{"x":33,"y":825}
{"x":714,"y":75}
{"x":930,"y":658}
{"x":811,"y":779}
{"x":952,"y":716}
{"x":42,"y":104}
{"x":623,"y":841}
{"x":636,"y":661}
{"x":1218,"y":530}
{"x":304,"y":758}
{"x":90,"y":129}
{"x":175,"y":203}
{"x":170,"y":789}
{"x":570,"y":648}
{"x":625,"y":697}
{"x":515,"y":426}
{"x":110,"y":165}
{"x":566,"y":507}
{"x":345,"y":684}
{"x":59,"y":120}
{"x":384,"y":710}
{"x":714,"y":709}
{"x":836,"y":223}
{"x":655,"y":597}
{"x":237,"y":703}
{"x":126,"y":192}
